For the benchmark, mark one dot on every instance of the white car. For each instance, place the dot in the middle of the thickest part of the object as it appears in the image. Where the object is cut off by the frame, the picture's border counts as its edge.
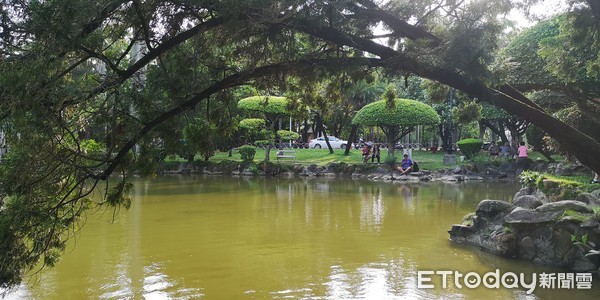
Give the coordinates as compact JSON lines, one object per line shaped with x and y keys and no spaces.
{"x":319,"y":143}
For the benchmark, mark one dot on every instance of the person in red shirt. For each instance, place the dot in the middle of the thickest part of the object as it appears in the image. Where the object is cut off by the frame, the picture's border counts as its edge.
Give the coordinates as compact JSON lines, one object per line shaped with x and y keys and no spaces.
{"x":366,"y":151}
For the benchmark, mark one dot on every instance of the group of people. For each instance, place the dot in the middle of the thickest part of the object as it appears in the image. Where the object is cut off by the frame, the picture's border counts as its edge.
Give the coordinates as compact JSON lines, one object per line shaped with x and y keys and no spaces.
{"x":372,"y":153}
{"x":505,"y":151}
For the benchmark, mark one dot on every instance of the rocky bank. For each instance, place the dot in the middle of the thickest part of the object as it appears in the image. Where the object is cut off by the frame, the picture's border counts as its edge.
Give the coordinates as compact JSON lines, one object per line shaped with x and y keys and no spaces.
{"x":504,"y":171}
{"x":531,"y":227}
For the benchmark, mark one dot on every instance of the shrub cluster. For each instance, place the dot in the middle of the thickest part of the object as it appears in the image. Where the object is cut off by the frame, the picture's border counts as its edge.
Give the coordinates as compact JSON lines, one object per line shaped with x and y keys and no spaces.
{"x":247,"y":152}
{"x":469,"y":147}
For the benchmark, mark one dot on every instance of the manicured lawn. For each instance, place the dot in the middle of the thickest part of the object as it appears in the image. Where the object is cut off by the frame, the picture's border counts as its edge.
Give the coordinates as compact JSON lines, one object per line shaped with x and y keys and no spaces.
{"x":426,"y":159}
{"x":303,"y":156}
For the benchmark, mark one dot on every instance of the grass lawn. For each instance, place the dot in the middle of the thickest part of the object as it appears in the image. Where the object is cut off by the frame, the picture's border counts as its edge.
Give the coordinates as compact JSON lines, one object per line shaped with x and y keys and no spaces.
{"x":426,"y":159}
{"x":321,"y":157}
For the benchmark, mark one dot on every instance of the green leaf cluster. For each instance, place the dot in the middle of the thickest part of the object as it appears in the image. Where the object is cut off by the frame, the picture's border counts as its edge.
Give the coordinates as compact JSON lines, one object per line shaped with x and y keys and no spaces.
{"x":468,"y":112}
{"x":201,"y":135}
{"x":287,"y":135}
{"x":247,"y":152}
{"x":270,"y":105}
{"x":522,"y":63}
{"x":252,"y":124}
{"x":470,"y":147}
{"x":406,"y":113}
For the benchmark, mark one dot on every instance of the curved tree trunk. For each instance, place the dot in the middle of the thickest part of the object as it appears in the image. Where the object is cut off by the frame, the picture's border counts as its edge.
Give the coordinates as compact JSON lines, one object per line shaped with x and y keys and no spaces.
{"x":481,"y":130}
{"x":499,"y":131}
{"x":353,"y":131}
{"x":547,"y":155}
{"x":321,"y":129}
{"x":391,"y":141}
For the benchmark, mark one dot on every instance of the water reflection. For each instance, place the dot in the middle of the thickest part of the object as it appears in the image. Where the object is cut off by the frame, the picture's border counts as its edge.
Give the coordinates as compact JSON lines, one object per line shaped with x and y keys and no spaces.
{"x":237,"y":238}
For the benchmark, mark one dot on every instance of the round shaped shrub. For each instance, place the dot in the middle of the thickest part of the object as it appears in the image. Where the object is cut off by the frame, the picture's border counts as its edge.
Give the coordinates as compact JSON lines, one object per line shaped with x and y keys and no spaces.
{"x":267,"y":104}
{"x":469,"y":147}
{"x":406,"y":112}
{"x":252,"y":124}
{"x":247,"y":152}
{"x":287,"y":135}
{"x":263,"y":143}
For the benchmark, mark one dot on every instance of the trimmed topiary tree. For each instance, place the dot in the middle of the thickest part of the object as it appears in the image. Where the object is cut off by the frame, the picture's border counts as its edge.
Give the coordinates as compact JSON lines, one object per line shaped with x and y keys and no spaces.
{"x":272,"y":107}
{"x":247,"y":152}
{"x":396,"y":118}
{"x":253,"y":129}
{"x":252,"y":124}
{"x":286,"y":135}
{"x":470,"y":147}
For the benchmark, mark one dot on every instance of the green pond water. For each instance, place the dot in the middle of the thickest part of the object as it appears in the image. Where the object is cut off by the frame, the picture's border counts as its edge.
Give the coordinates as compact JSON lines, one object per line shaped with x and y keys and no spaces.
{"x":193,"y":237}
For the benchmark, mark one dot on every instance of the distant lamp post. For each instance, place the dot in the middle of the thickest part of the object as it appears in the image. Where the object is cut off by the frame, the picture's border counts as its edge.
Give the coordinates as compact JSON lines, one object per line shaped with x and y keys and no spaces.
{"x":450,"y":159}
{"x":450,"y":150}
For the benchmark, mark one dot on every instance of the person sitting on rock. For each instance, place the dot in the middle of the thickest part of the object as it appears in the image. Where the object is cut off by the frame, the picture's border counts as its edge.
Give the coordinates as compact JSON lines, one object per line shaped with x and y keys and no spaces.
{"x":405,"y":165}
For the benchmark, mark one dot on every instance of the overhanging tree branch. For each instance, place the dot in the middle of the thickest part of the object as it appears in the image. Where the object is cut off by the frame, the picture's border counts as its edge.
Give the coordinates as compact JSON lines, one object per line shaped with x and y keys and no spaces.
{"x":504,"y":97}
{"x":229,"y":82}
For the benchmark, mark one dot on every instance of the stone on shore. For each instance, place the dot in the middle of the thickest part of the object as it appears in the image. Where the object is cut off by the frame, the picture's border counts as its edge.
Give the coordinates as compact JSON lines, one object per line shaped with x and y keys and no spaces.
{"x":525,"y":216}
{"x":489,"y":208}
{"x":527,"y":201}
{"x":565,"y":205}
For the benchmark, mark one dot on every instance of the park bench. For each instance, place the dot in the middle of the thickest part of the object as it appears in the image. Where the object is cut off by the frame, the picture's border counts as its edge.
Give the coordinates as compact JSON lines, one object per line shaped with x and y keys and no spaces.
{"x":286,"y":154}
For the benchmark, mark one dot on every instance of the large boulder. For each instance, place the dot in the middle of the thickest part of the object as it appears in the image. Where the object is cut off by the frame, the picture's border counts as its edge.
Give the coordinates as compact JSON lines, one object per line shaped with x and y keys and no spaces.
{"x":588,"y":199}
{"x":526,"y":216}
{"x":567,"y":170}
{"x":527,"y":201}
{"x":524,"y":164}
{"x":533,"y":192}
{"x":508,"y":167}
{"x":527,"y":248}
{"x":491,"y":208}
{"x":564,"y":205}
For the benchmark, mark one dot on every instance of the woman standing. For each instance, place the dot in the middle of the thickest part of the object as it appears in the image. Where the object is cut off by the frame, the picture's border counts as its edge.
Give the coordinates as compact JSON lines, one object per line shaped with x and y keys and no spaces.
{"x":376,"y":152}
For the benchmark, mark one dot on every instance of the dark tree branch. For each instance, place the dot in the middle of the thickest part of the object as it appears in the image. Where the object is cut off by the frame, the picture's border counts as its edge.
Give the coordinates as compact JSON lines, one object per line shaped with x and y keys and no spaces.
{"x":101,"y":57}
{"x":154,"y":53}
{"x":399,"y":26}
{"x":504,"y":97}
{"x":143,"y":22}
{"x":595,"y":6}
{"x":106,"y":12}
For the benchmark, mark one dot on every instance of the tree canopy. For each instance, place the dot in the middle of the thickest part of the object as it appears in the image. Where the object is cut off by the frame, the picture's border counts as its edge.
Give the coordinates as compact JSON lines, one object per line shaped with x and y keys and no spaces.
{"x":269,"y":105}
{"x":405,"y":113}
{"x":398,"y":120}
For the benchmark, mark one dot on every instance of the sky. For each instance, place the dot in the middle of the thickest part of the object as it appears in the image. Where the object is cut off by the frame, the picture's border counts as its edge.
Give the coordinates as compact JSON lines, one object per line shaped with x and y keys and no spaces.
{"x":540,"y":11}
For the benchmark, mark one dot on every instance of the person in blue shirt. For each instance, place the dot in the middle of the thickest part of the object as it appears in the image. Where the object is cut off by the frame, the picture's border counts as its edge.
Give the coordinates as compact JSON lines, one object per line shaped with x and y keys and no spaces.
{"x":405,"y":165}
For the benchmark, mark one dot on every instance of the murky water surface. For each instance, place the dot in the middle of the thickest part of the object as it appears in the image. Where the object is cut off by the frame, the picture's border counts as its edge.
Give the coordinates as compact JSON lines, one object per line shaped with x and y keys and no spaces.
{"x":263,"y":238}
